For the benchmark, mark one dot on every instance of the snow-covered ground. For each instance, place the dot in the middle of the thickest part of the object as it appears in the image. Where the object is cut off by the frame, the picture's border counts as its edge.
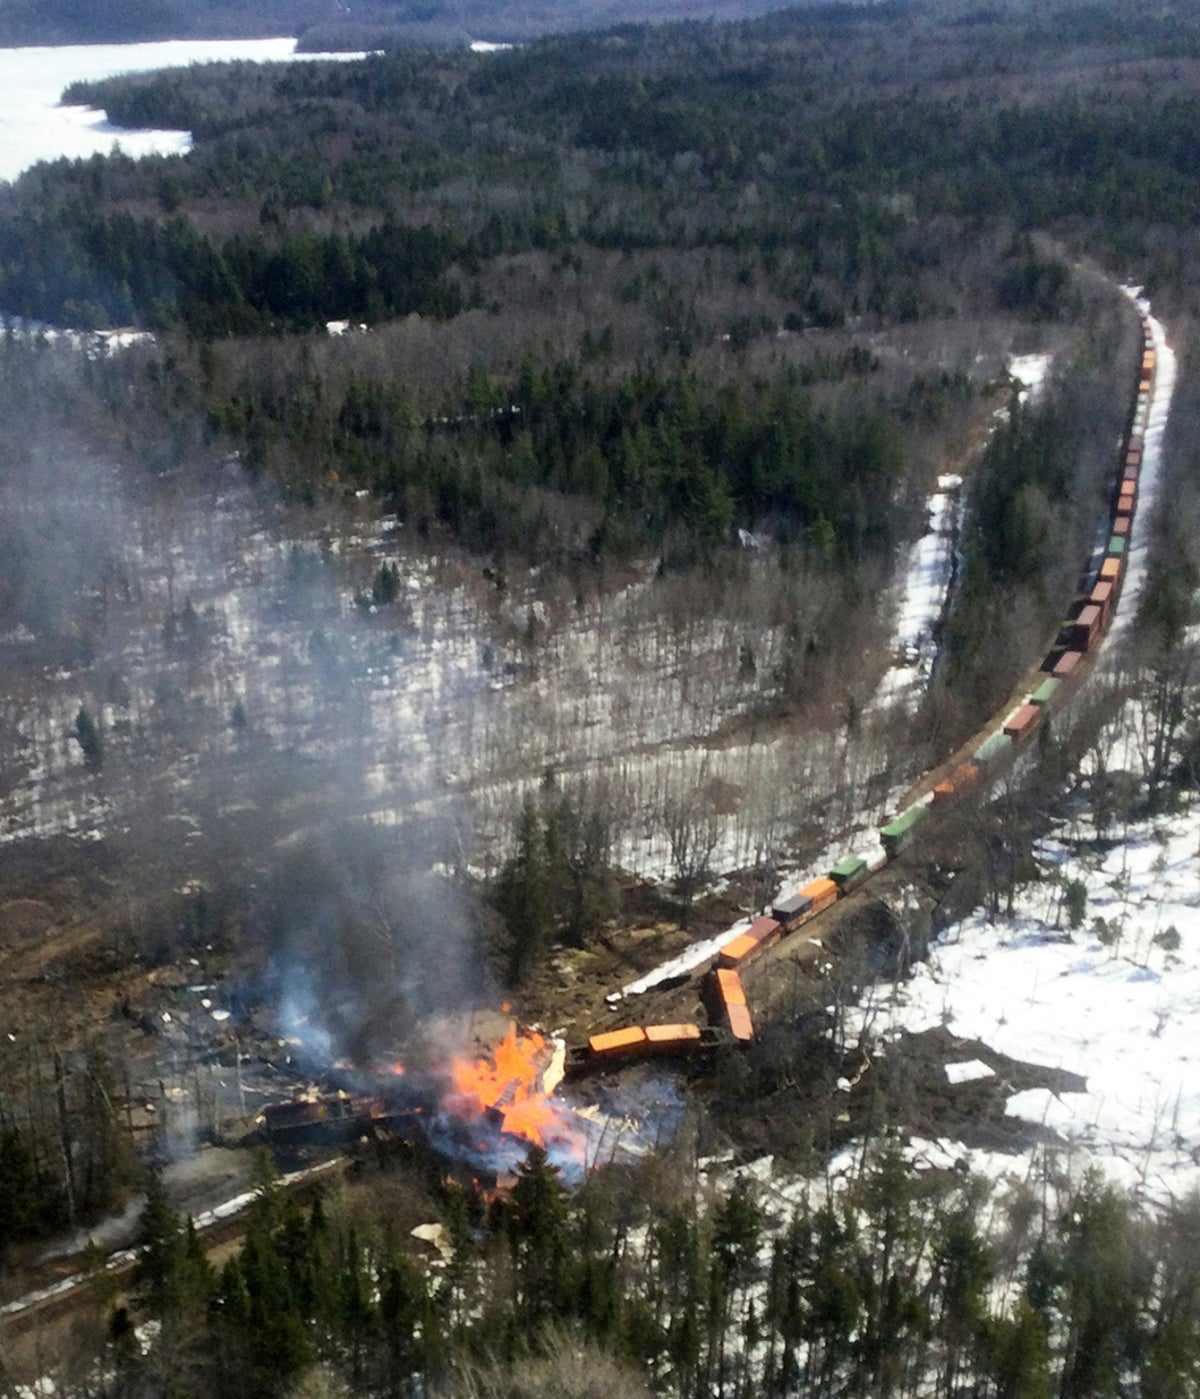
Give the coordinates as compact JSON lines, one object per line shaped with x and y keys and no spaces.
{"x":1116,"y":1002}
{"x":34,"y":127}
{"x":928,"y":570}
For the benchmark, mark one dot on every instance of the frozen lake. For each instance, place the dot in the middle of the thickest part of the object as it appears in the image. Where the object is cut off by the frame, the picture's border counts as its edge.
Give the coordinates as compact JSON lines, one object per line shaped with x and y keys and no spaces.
{"x":33,"y":126}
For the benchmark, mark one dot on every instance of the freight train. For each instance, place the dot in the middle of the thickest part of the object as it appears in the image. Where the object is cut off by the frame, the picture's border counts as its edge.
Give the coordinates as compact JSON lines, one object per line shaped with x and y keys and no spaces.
{"x":1080,"y":633}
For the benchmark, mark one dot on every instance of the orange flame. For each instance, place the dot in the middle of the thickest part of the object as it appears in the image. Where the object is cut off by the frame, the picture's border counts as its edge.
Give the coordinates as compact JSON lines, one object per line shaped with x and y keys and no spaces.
{"x":509,"y":1082}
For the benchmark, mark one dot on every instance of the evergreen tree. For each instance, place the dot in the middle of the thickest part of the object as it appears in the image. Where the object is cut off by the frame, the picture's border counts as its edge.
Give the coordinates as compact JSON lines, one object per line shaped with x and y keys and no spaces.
{"x":1018,"y":1354}
{"x":523,"y":896}
{"x":89,"y":738}
{"x":157,"y":1274}
{"x":537,"y":1225}
{"x":20,"y":1191}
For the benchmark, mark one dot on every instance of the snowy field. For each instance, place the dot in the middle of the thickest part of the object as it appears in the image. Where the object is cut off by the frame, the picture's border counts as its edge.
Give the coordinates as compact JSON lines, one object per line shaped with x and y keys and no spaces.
{"x":1116,"y":1002}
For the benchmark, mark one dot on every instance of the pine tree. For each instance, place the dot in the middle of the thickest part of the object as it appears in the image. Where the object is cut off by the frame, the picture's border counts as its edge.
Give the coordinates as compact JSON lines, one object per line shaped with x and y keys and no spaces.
{"x":1018,"y":1354}
{"x":1099,"y":1288}
{"x":160,"y":1262}
{"x":404,"y":1305}
{"x":538,"y":1234}
{"x":89,"y":738}
{"x":962,"y":1273}
{"x":20,"y":1187}
{"x":523,"y":896}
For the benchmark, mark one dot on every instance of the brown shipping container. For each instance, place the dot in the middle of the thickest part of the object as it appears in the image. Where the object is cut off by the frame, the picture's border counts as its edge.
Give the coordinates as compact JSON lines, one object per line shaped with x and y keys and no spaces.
{"x":965,"y":775}
{"x":1067,"y":664}
{"x":1086,"y":628}
{"x":740,"y":1026}
{"x":765,"y":931}
{"x":1121,"y":524}
{"x":736,"y":950}
{"x":1131,"y":473}
{"x":1022,"y":722}
{"x":1127,"y":497}
{"x":617,"y":1041}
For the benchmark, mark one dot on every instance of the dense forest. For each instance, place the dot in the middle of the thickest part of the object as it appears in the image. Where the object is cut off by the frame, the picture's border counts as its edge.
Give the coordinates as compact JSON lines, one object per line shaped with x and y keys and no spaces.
{"x":730,"y":218}
{"x":326,"y":26}
{"x":701,"y":1287}
{"x":694,"y":315}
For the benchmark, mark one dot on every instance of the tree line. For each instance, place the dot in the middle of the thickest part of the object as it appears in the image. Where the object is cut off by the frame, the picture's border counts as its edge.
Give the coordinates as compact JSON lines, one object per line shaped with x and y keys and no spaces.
{"x":891,"y":1287}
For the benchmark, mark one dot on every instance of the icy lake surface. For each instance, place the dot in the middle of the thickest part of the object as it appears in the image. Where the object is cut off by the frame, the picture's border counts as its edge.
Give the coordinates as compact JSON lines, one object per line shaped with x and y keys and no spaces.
{"x":33,"y":126}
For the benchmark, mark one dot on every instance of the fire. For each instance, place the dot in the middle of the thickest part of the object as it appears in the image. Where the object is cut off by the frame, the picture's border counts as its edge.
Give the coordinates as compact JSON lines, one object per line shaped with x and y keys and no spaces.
{"x":511,"y":1083}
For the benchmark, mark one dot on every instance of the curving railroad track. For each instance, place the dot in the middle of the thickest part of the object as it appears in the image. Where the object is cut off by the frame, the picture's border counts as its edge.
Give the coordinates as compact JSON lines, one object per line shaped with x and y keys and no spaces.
{"x":930,"y":801}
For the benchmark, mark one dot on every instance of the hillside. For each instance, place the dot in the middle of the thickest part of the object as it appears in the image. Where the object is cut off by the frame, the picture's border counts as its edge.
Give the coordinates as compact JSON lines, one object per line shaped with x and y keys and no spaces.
{"x":329,"y":26}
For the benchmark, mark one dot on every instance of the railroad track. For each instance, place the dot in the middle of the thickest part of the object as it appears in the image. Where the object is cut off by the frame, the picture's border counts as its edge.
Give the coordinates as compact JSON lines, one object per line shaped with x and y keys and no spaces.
{"x":994,"y":747}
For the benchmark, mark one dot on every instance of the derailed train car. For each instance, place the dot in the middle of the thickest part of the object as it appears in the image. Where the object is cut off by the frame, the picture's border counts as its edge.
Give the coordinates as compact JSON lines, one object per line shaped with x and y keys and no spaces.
{"x":723,"y":992}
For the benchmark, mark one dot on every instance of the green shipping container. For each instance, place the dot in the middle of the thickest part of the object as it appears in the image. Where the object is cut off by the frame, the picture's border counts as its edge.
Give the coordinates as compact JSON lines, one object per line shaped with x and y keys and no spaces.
{"x":849,"y":868}
{"x":1044,"y":693}
{"x":897,"y":835}
{"x":993,"y":748}
{"x":1116,"y":545}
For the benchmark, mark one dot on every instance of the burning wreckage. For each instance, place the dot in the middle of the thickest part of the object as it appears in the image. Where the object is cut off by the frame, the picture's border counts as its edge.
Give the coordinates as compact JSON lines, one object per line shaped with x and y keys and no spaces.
{"x":476,"y":1109}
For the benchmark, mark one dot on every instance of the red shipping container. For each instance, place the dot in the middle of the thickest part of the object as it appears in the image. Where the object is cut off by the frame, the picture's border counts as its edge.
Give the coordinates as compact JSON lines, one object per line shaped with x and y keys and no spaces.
{"x":1020,"y":724}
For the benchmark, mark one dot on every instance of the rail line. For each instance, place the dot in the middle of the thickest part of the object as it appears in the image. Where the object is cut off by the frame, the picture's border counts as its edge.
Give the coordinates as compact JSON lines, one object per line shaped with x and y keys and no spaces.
{"x":931,"y":798}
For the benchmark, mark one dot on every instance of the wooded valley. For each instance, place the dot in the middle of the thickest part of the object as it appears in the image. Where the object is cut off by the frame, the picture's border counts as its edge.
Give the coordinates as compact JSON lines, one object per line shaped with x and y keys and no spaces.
{"x":480,"y":581}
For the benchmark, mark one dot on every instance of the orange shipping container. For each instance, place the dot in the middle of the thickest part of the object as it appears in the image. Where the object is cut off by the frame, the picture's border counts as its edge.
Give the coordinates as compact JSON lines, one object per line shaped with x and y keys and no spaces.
{"x":943,"y":791}
{"x":965,"y":775}
{"x":1110,"y":570}
{"x":729,"y":988}
{"x":617,"y":1041}
{"x":736,"y":950}
{"x":740,"y":1025}
{"x":672,"y":1034}
{"x":821,"y":891}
